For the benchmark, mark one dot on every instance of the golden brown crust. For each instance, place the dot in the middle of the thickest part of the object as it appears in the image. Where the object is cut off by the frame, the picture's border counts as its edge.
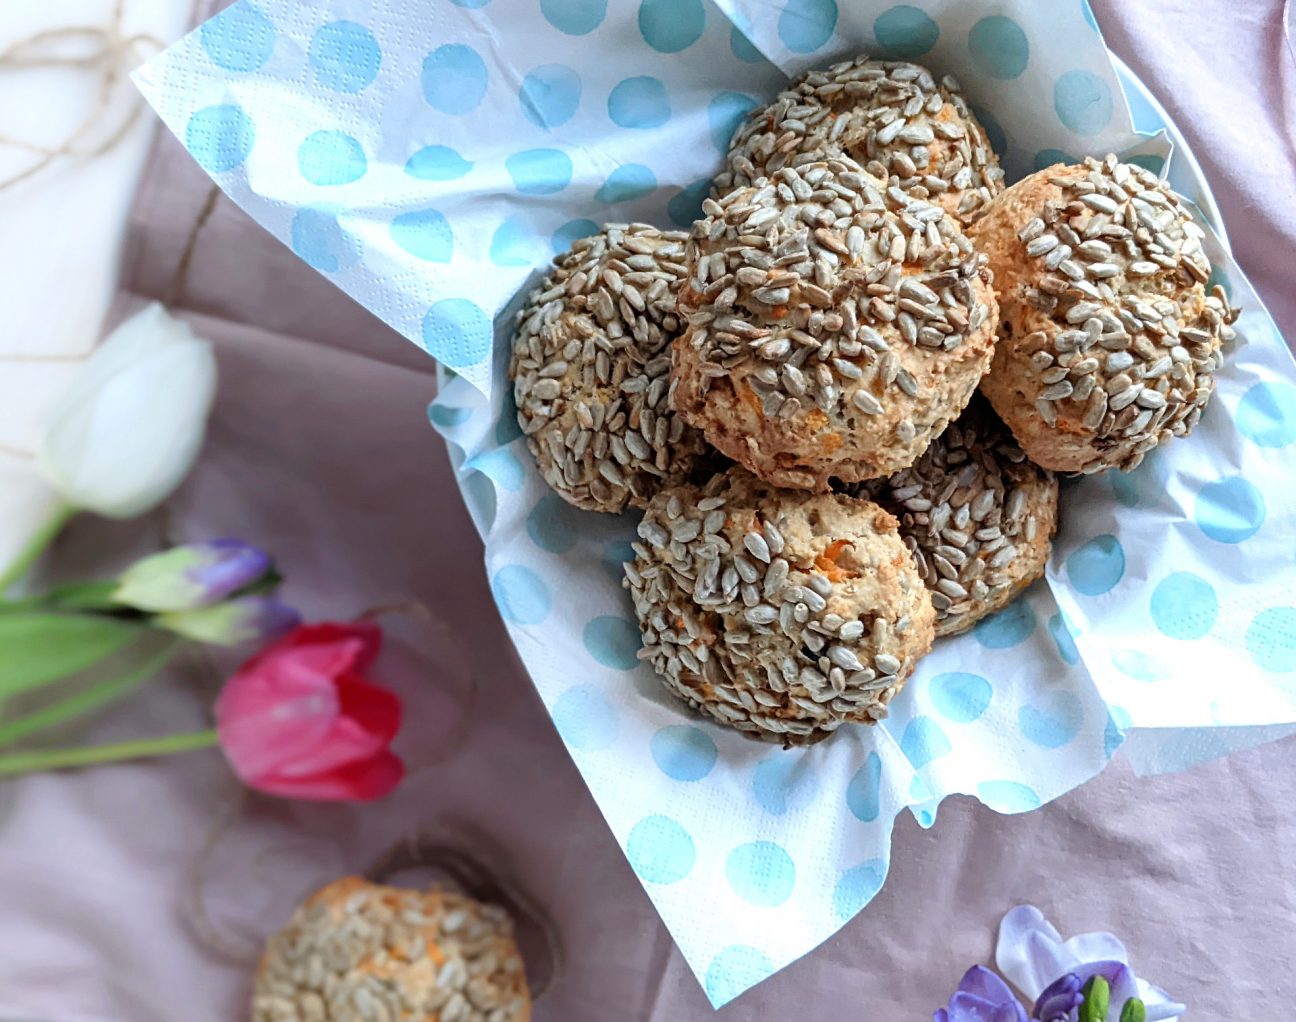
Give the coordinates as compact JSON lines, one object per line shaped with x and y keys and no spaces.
{"x":780,"y":613}
{"x":357,"y":951}
{"x":834,"y":327}
{"x":1108,"y":340}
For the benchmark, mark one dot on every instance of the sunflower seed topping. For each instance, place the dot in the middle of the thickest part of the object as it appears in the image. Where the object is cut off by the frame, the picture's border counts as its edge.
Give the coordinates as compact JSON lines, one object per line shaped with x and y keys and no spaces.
{"x":792,"y":655}
{"x":974,"y":474}
{"x":591,"y":370}
{"x":1139,"y":337}
{"x":360,"y":952}
{"x":894,"y":119}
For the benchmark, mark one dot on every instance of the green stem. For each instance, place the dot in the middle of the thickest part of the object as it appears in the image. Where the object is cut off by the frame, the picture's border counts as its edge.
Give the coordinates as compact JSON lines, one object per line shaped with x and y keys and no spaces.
{"x":57,"y":759}
{"x":91,"y":699}
{"x":35,"y":547}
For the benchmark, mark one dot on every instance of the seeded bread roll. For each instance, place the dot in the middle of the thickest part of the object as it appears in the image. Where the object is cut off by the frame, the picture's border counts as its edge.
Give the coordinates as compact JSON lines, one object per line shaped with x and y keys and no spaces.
{"x":977,"y":516}
{"x":356,"y":952}
{"x":591,"y":370}
{"x":835,"y":327}
{"x":893,"y":118}
{"x":1109,"y":341}
{"x":779,"y":613}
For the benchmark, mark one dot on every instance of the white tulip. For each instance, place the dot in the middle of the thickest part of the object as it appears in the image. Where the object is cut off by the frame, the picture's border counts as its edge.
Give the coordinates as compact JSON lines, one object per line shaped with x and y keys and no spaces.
{"x":129,"y":427}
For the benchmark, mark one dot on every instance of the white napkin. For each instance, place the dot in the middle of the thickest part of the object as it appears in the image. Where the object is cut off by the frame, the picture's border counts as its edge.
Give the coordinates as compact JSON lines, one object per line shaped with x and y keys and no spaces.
{"x":430,"y":157}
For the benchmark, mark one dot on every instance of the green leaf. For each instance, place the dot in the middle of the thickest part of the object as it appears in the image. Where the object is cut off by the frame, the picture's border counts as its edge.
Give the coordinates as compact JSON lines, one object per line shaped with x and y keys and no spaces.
{"x":1134,"y":1011}
{"x":75,"y":596}
{"x":1097,"y":999}
{"x":38,"y":647}
{"x":92,"y":698}
{"x":86,"y":596}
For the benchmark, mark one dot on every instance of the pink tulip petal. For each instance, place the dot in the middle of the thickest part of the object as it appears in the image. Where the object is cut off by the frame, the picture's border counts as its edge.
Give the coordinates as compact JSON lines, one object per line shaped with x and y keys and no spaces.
{"x":360,"y":781}
{"x":346,"y":742}
{"x":374,"y":708}
{"x":298,"y":719}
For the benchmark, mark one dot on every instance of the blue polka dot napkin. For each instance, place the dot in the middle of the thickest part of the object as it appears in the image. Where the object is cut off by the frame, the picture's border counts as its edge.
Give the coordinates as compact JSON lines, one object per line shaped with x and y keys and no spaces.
{"x":429,"y":156}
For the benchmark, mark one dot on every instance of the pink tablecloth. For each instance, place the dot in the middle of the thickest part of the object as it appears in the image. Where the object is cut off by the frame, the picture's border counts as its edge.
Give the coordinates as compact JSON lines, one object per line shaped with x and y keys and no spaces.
{"x":319,"y":451}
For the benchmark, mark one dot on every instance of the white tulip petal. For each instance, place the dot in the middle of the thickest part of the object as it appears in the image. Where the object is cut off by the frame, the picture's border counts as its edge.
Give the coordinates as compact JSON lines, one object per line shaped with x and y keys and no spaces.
{"x":130,"y":427}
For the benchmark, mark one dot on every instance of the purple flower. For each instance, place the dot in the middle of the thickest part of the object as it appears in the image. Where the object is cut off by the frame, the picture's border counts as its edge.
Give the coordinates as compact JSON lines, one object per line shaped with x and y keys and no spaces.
{"x":1063,"y":995}
{"x":1032,"y":955}
{"x":1059,"y":999}
{"x":981,"y":997}
{"x":191,"y":576}
{"x":245,"y":619}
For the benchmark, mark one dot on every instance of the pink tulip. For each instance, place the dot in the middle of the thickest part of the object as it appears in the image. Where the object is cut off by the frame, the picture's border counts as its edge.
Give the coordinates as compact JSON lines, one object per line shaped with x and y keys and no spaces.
{"x":300,"y":720}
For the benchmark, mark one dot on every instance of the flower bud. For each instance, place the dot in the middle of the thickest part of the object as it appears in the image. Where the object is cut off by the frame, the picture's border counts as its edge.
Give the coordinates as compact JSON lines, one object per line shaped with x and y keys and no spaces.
{"x":243,"y":620}
{"x":191,"y":576}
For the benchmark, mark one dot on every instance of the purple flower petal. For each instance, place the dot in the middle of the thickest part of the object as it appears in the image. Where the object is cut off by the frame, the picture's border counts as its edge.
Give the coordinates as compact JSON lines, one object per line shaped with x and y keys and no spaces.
{"x":1059,"y":998}
{"x":981,"y":982}
{"x":226,"y":566}
{"x":970,"y":1008}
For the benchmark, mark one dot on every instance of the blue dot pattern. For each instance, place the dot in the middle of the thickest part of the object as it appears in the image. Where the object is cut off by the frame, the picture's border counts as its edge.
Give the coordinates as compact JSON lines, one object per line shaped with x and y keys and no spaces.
{"x":686,"y":205}
{"x":239,"y":39}
{"x":1184,"y":606}
{"x":683,"y":752}
{"x":639,"y":102}
{"x":1097,"y":566}
{"x":554,"y":525}
{"x":522,"y":595}
{"x":539,"y":171}
{"x":1271,"y":640}
{"x":660,"y":850}
{"x":570,"y":232}
{"x":961,"y":697}
{"x":1083,"y":102}
{"x":924,"y":741}
{"x":220,"y":137}
{"x":437,"y":163}
{"x":1266,"y":415}
{"x":999,"y":48}
{"x":318,"y":238}
{"x":806,"y":25}
{"x":733,"y":971}
{"x":761,"y":873}
{"x":743,"y":48}
{"x":454,"y":78}
{"x":627,"y":183}
{"x":905,"y":32}
{"x":1008,"y":796}
{"x":1053,"y":721}
{"x":857,"y":887}
{"x":574,"y":17}
{"x":494,"y":176}
{"x":1230,"y":510}
{"x":585,"y":719}
{"x":864,"y":795}
{"x":550,"y":95}
{"x":725,"y":112}
{"x":1007,"y":628}
{"x":613,"y":642}
{"x":344,"y":56}
{"x":331,"y":158}
{"x":670,"y":26}
{"x":515,"y":244}
{"x":456,"y":332}
{"x":781,"y":785}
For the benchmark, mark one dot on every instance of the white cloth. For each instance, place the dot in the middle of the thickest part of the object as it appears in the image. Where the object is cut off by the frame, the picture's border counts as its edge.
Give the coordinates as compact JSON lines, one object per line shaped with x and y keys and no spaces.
{"x":61,"y":232}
